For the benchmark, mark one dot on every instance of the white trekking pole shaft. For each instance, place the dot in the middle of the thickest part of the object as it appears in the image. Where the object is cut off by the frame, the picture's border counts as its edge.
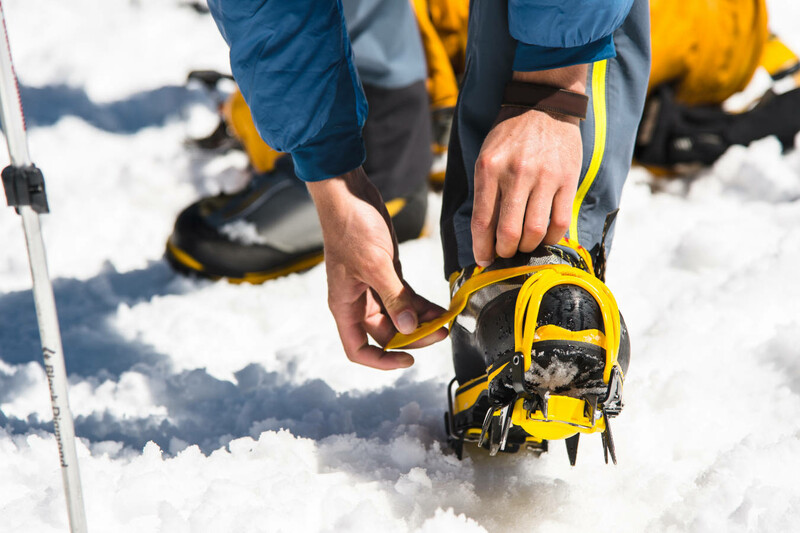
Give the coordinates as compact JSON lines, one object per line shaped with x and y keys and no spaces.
{"x":24,"y":188}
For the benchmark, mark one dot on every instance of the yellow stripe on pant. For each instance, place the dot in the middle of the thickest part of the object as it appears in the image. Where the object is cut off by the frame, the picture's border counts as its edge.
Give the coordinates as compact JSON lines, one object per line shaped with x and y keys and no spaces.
{"x":599,"y":70}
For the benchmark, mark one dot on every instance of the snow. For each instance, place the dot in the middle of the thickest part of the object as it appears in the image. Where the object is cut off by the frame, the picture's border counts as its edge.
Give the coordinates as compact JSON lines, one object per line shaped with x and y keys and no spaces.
{"x":209,"y":407}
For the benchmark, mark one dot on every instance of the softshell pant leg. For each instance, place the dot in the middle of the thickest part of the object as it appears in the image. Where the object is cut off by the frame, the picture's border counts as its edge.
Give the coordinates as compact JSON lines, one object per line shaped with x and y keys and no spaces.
{"x":617,"y":90}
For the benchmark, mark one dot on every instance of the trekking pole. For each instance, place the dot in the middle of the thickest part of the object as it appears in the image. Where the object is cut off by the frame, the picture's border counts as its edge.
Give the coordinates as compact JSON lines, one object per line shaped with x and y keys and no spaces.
{"x":24,"y":187}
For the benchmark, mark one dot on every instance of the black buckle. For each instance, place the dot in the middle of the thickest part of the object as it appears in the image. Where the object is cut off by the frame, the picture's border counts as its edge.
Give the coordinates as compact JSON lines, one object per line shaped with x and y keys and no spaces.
{"x":25,"y":186}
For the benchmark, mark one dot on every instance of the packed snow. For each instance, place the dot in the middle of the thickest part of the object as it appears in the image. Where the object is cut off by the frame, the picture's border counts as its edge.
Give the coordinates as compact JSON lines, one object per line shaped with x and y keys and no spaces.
{"x":210,"y":407}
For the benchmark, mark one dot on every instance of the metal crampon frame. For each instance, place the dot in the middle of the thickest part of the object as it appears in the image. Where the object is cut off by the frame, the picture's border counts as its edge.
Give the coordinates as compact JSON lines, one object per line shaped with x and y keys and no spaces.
{"x":537,"y":407}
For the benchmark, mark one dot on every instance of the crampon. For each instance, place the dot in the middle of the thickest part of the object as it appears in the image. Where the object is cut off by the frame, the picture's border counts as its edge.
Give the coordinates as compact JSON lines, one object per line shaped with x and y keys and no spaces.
{"x":555,"y":357}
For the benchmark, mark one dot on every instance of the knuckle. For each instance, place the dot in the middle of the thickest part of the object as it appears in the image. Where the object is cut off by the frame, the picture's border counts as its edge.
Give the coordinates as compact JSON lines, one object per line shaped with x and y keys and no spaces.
{"x":509,"y":233}
{"x":518,"y":166}
{"x":535,"y":229}
{"x":487,"y":163}
{"x":549,"y":173}
{"x":480,"y":223}
{"x":560,"y":222}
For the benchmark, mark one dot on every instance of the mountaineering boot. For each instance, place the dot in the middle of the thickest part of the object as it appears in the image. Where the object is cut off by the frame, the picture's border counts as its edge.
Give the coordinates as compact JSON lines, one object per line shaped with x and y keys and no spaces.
{"x":540,"y":352}
{"x":267,"y":230}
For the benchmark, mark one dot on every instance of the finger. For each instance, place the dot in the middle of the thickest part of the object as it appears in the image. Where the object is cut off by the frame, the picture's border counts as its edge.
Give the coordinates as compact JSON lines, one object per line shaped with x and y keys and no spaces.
{"x":427,"y":311}
{"x":380,"y":327}
{"x":537,"y":217}
{"x":484,"y":213}
{"x":357,"y":348}
{"x":374,"y":357}
{"x":509,"y":222}
{"x":560,"y":216}
{"x":437,"y":336}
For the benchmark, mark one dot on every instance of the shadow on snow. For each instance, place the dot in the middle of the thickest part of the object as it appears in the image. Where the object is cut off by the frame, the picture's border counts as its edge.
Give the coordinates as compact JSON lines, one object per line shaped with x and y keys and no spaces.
{"x":44,"y":106}
{"x":201,"y":409}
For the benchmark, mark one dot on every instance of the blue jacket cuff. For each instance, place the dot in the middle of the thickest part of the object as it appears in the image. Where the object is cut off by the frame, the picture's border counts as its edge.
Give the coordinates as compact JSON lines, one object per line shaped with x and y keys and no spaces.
{"x":530,"y":57}
{"x":328,"y":157}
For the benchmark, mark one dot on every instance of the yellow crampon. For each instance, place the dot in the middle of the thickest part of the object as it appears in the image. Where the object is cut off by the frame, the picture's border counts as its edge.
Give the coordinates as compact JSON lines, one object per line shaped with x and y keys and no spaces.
{"x":538,"y":412}
{"x":543,"y":416}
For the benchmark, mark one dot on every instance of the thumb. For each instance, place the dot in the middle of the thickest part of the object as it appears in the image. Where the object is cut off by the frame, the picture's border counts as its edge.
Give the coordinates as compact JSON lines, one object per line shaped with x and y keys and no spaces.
{"x":397,"y":298}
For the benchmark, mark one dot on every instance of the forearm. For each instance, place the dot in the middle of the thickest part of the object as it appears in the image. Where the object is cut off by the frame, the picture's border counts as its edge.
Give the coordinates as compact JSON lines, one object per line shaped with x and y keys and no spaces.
{"x":293,"y":63}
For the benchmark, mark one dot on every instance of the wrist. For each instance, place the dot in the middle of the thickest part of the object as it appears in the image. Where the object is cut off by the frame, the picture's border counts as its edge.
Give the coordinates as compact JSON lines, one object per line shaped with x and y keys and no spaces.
{"x":330,"y":188}
{"x":336,"y":194}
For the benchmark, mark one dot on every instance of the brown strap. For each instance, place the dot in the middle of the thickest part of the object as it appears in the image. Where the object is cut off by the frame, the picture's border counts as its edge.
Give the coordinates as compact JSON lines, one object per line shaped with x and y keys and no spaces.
{"x":545,"y":98}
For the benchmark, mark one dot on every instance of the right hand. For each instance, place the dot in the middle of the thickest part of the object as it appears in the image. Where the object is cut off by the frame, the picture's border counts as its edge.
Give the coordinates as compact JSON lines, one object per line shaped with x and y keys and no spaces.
{"x":527,"y":173}
{"x":367,"y":294}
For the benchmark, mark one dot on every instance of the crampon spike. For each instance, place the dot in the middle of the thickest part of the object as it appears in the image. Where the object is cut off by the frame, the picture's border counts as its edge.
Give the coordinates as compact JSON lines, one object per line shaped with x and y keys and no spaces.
{"x":545,"y":398}
{"x":505,"y":425}
{"x":485,"y":427}
{"x":572,"y":448}
{"x":494,"y":435}
{"x":608,"y":441}
{"x":458,"y":446}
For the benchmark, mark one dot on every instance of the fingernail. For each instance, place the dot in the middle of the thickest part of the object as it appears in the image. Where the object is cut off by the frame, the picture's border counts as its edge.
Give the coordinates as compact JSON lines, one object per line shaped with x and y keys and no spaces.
{"x":405,"y":361}
{"x":406,"y":322}
{"x":484,"y":264}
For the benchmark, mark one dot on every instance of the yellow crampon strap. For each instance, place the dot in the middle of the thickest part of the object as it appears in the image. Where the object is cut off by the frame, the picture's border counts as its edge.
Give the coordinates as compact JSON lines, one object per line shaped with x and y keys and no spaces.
{"x":558,"y":417}
{"x":542,"y":279}
{"x":477,"y":282}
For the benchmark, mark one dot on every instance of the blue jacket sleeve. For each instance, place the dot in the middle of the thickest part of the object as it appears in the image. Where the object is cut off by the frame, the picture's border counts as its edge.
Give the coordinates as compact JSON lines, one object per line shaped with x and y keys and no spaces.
{"x":294,"y":65}
{"x":560,"y":33}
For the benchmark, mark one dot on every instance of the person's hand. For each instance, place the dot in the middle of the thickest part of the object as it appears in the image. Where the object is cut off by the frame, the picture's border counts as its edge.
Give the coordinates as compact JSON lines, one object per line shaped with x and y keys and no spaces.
{"x":366,"y":291}
{"x":526,"y":175}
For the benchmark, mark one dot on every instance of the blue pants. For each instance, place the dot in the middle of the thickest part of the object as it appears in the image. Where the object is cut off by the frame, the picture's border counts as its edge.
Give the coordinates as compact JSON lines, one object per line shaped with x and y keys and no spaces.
{"x":617,"y":90}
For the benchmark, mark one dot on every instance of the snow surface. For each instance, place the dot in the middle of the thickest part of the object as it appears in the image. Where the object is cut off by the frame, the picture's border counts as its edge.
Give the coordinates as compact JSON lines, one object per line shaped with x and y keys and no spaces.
{"x":209,"y":407}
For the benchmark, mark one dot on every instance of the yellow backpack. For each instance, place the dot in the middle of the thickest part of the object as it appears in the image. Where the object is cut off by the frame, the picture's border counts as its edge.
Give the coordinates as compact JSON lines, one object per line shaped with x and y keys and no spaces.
{"x":710,"y":49}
